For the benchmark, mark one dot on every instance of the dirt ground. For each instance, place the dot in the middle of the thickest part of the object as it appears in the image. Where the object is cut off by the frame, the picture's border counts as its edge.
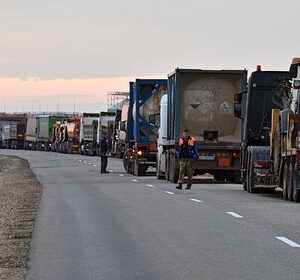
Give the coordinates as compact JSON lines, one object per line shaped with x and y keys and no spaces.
{"x":19,"y":197}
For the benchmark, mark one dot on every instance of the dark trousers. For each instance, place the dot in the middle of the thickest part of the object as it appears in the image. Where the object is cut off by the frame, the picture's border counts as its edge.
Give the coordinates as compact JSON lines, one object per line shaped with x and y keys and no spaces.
{"x":103,"y":163}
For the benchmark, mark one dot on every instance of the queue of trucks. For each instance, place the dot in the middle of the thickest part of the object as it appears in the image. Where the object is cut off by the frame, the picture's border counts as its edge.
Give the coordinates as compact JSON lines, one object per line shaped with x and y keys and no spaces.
{"x":248,"y":131}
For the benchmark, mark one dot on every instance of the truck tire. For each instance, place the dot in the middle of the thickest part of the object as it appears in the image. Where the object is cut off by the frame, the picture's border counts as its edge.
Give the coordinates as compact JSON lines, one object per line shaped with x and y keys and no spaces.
{"x":173,"y":173}
{"x":167,"y":164}
{"x":286,"y":177}
{"x":296,"y":192}
{"x":126,"y":162}
{"x":158,"y":172}
{"x":139,"y":169}
{"x":251,"y":183}
{"x":291,"y":180}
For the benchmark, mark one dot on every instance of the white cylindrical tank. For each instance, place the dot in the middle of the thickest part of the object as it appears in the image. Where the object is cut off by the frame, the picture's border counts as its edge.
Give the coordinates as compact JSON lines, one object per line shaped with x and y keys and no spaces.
{"x":162,"y":137}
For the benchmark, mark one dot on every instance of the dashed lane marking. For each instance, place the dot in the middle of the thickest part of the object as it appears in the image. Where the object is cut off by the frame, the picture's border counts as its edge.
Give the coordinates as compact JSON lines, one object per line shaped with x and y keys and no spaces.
{"x":288,"y":241}
{"x":111,"y":171}
{"x":134,"y":180}
{"x":80,"y":160}
{"x":235,"y":215}
{"x":167,"y":192}
{"x":95,"y":165}
{"x":196,"y":200}
{"x":121,"y":175}
{"x":149,"y":185}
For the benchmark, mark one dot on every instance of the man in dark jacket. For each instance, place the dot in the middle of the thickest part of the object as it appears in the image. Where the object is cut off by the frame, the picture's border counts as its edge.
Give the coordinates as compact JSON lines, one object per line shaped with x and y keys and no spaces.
{"x":187,"y":153}
{"x":103,"y":154}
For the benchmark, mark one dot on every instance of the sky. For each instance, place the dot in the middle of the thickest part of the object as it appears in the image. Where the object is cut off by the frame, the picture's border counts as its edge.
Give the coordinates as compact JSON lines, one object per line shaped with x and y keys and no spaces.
{"x":60,"y":53}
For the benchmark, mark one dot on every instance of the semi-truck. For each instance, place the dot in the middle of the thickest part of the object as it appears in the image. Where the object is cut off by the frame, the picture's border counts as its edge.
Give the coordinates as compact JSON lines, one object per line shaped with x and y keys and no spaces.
{"x":70,"y":138}
{"x":6,"y":119}
{"x":30,"y":136}
{"x":88,"y":133}
{"x":202,"y":101}
{"x":271,"y":139}
{"x":142,"y":124}
{"x":105,"y":128}
{"x":13,"y":136}
{"x":45,"y":125}
{"x":124,"y":131}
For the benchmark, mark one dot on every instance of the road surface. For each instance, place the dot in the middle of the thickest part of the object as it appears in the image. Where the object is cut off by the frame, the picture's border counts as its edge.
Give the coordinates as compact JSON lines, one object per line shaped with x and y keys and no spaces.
{"x":116,"y":226}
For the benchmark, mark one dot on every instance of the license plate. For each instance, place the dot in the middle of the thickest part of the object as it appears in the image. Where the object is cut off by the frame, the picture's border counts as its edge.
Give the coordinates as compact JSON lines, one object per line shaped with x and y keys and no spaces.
{"x":207,"y":157}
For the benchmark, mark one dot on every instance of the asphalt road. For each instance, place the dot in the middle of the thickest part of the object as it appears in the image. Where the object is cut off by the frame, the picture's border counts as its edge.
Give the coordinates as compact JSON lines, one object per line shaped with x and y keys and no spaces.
{"x":116,"y":226}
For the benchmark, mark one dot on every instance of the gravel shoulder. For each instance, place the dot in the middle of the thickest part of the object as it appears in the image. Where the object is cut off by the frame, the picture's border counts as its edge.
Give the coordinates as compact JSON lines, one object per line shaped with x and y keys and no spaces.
{"x":19,"y":197}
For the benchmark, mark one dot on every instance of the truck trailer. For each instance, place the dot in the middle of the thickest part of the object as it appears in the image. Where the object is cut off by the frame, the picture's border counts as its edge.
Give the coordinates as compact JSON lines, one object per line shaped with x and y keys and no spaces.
{"x":143,"y":124}
{"x":70,"y":139}
{"x":30,"y":137}
{"x":105,"y":128}
{"x":45,"y":125}
{"x":271,"y":139}
{"x":13,"y":136}
{"x":202,"y":101}
{"x":88,"y":133}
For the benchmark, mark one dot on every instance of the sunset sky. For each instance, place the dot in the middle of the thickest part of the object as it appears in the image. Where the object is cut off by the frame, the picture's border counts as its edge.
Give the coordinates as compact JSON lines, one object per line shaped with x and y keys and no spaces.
{"x":57,"y":53}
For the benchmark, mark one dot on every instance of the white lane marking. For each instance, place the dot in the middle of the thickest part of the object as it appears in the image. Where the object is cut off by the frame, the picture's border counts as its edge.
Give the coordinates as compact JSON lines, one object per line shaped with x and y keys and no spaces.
{"x":111,"y":171}
{"x":121,"y":175}
{"x":79,"y":160}
{"x":134,"y":180}
{"x":288,"y":241}
{"x":167,"y":192}
{"x":149,"y":185}
{"x":195,"y":200}
{"x":234,"y":215}
{"x":95,"y":165}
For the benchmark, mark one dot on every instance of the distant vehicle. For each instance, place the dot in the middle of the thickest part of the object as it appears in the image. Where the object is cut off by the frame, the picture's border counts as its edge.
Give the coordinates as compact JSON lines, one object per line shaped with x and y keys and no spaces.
{"x":115,"y":133}
{"x":70,"y":135}
{"x":31,"y":134}
{"x":105,"y":128}
{"x":123,"y":131}
{"x":142,"y":125}
{"x":13,"y":136}
{"x":88,"y":133}
{"x":45,"y":125}
{"x":202,"y":101}
{"x":6,"y":119}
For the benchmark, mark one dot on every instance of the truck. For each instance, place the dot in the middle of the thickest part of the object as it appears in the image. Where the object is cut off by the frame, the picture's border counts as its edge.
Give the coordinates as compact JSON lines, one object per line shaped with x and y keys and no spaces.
{"x":56,"y":136}
{"x":13,"y":136}
{"x":143,"y":124}
{"x":70,"y":135}
{"x":45,"y":125}
{"x":6,"y":119}
{"x":105,"y":128}
{"x":115,"y":133}
{"x":123,"y":131}
{"x":271,"y":138}
{"x":30,"y":136}
{"x":202,"y":101}
{"x":88,"y":133}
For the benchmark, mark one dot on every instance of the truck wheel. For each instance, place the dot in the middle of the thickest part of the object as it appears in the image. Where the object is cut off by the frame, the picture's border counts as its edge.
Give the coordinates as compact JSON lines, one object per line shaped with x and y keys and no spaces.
{"x":286,"y":177}
{"x":251,"y":177}
{"x":296,"y":192}
{"x":139,"y":169}
{"x":291,"y":180}
{"x":158,"y":173}
{"x":174,"y":175}
{"x":126,"y":162}
{"x":167,"y":171}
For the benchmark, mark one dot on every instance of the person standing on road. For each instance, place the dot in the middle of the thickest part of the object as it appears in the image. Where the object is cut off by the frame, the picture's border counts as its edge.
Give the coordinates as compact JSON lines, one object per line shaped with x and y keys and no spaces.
{"x":103,"y":154}
{"x":187,"y":153}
